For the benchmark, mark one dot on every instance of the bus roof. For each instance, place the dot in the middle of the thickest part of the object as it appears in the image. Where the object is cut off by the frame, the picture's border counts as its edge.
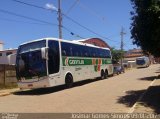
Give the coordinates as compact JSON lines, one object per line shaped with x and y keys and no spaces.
{"x":143,"y":57}
{"x":68,"y":41}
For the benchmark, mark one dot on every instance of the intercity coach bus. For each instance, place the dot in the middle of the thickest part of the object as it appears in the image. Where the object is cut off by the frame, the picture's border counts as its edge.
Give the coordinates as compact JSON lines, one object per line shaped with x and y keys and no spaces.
{"x":51,"y":62}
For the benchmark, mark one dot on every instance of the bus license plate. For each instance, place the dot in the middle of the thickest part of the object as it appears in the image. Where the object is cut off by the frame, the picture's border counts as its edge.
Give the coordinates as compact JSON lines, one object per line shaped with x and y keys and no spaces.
{"x":30,"y":85}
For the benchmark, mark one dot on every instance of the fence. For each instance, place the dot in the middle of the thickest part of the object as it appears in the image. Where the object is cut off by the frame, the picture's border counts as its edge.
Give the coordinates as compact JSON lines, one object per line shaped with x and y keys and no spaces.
{"x":7,"y":75}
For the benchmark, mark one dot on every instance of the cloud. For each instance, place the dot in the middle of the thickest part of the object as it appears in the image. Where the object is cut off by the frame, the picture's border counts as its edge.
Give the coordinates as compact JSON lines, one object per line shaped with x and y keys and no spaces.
{"x":50,"y":6}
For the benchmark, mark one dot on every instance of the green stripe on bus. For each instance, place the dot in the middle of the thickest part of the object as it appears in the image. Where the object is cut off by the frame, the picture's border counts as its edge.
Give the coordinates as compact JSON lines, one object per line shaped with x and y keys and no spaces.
{"x":70,"y":61}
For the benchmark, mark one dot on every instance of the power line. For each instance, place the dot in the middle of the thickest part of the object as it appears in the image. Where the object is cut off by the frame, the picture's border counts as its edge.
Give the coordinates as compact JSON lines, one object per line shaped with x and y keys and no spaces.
{"x":26,"y":17}
{"x":126,"y":45}
{"x":19,"y":21}
{"x":91,"y":11}
{"x":87,"y":28}
{"x":69,"y":19}
{"x":32,"y":5}
{"x":76,"y":35}
{"x":73,"y":5}
{"x":33,"y":19}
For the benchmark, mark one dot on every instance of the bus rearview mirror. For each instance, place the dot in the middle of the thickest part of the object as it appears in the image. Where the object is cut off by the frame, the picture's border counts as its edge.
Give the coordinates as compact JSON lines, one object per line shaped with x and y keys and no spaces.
{"x":44,"y":53}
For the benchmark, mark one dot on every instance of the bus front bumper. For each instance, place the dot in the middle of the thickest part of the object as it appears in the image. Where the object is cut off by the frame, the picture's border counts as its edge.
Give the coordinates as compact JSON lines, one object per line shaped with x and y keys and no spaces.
{"x":34,"y":84}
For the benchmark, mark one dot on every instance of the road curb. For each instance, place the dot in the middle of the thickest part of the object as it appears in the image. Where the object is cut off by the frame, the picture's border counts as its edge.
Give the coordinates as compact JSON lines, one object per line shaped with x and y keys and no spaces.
{"x":4,"y":94}
{"x":133,"y":108}
{"x":8,"y":92}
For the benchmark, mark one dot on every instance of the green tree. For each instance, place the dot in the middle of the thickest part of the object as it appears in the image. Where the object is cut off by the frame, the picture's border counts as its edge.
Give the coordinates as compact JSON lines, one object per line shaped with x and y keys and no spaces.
{"x":116,"y":55}
{"x":145,"y":26}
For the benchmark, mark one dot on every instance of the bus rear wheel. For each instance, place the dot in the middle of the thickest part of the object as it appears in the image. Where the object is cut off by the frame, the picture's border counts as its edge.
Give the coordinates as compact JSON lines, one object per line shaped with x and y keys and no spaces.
{"x":69,"y":81}
{"x":106,"y":74}
{"x":103,"y":75}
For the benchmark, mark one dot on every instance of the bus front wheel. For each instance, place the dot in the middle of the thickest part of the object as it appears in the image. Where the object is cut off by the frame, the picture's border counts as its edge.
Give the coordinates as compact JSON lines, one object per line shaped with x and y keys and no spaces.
{"x":69,"y":81}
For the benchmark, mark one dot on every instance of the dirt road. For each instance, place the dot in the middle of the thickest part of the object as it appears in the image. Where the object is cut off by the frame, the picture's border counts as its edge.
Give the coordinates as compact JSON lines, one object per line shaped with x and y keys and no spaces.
{"x":115,"y":94}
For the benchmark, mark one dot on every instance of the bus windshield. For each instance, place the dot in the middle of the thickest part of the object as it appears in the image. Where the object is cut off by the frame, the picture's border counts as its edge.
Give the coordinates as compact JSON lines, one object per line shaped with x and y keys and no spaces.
{"x":32,"y":46}
{"x":29,"y":61}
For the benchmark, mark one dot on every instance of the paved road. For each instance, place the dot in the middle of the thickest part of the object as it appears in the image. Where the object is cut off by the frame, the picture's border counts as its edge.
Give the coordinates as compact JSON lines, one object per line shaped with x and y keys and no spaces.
{"x":115,"y":94}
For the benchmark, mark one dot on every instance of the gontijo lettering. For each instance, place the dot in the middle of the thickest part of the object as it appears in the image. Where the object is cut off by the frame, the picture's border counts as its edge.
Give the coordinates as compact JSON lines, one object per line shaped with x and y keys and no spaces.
{"x":76,"y":61}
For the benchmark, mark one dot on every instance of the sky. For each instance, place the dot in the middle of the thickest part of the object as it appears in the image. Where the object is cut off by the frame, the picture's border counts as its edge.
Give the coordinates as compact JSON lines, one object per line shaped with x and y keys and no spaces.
{"x":82,"y":19}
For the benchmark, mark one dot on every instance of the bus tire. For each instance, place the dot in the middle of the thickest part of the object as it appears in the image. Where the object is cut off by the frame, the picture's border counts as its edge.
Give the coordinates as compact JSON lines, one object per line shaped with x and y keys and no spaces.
{"x":102,"y":74}
{"x":106,"y":74}
{"x":69,"y":81}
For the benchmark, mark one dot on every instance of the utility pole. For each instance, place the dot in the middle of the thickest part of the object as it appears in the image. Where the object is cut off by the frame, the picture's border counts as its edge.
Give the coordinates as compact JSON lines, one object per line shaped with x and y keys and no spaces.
{"x":122,"y":33}
{"x":59,"y":19}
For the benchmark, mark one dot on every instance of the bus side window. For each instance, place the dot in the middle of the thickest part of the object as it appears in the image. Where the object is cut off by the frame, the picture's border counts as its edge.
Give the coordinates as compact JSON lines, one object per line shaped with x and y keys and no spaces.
{"x":96,"y":52}
{"x":108,"y":55}
{"x":90,"y":52}
{"x":85,"y":51}
{"x":67,"y":48}
{"x":53,"y":55}
{"x":103,"y":53}
{"x":75,"y":50}
{"x":79,"y":49}
{"x":70,"y":51}
{"x":63,"y":53}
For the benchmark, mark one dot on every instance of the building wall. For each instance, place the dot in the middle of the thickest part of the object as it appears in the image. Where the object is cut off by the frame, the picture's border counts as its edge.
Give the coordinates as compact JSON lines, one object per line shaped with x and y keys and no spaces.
{"x":4,"y":55}
{"x":131,"y":55}
{"x":12,"y":59}
{"x":7,"y":75}
{"x":134,"y":53}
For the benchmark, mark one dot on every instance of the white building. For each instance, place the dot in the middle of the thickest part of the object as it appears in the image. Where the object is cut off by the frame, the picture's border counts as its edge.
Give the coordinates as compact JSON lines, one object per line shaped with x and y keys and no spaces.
{"x":1,"y":45}
{"x":12,"y":59}
{"x":6,"y":56}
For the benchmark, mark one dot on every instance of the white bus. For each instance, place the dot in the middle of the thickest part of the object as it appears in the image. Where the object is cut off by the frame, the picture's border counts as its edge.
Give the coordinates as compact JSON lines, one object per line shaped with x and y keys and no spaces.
{"x":51,"y":62}
{"x":142,"y":62}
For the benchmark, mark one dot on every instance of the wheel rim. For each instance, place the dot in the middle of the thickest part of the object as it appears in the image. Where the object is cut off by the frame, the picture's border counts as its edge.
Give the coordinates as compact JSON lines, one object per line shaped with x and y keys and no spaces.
{"x":69,"y":81}
{"x":102,"y":75}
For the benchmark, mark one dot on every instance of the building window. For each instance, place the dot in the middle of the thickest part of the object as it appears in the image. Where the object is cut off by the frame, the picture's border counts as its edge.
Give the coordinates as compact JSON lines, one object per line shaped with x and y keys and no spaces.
{"x":8,"y":53}
{"x":0,"y":54}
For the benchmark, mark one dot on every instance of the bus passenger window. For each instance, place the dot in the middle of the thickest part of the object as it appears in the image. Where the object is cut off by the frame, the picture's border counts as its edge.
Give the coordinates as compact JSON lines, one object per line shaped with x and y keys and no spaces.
{"x":71,"y":52}
{"x":54,"y":58}
{"x":63,"y":53}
